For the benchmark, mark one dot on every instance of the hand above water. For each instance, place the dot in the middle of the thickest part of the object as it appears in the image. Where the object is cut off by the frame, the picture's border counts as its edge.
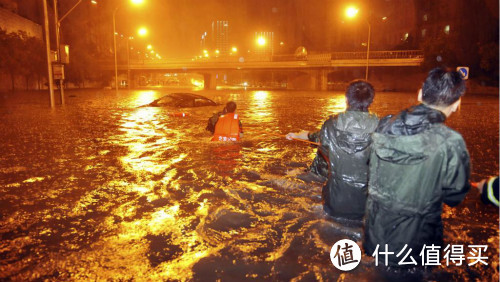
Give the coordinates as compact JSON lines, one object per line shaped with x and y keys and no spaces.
{"x":301,"y":135}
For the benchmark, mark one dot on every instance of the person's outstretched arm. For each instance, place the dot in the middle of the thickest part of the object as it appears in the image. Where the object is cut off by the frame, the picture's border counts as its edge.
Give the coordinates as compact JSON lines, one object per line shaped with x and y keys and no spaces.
{"x":304,"y":135}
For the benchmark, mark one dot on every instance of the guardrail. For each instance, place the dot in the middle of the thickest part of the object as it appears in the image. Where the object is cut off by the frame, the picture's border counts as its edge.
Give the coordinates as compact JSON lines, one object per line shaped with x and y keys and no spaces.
{"x":400,"y":54}
{"x":310,"y":59}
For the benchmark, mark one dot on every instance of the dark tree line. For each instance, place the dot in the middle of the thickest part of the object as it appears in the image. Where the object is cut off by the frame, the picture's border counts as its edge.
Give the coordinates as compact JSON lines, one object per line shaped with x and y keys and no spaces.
{"x":22,"y":56}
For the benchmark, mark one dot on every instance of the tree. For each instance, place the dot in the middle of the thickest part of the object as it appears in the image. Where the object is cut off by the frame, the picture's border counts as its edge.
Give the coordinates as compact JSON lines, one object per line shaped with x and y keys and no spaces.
{"x":35,"y":61}
{"x":83,"y":65}
{"x":437,"y":52}
{"x":489,"y":58}
{"x":20,"y":54}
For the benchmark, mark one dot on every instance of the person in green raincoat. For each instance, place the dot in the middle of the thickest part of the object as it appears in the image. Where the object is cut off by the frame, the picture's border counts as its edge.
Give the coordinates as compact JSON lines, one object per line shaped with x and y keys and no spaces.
{"x":345,"y":140}
{"x":417,"y":163}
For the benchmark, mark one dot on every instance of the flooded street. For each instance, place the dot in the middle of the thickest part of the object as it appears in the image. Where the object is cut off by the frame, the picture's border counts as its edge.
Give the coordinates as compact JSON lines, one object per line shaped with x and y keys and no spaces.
{"x":101,"y":189}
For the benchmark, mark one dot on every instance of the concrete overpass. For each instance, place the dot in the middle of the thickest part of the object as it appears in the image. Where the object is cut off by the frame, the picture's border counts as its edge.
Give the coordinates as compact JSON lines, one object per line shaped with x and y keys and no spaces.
{"x":315,"y":66}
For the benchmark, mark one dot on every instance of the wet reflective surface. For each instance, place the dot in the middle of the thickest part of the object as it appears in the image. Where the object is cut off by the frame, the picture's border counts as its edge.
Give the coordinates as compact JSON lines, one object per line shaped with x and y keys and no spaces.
{"x":101,"y":189}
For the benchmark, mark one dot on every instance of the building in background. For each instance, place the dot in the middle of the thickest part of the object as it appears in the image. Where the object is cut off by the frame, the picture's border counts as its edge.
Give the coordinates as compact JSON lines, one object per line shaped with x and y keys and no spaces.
{"x":220,"y":38}
{"x":20,"y":16}
{"x":203,"y":42}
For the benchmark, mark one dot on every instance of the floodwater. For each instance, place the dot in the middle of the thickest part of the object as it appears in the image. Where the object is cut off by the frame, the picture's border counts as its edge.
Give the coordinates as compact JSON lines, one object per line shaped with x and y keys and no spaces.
{"x":100,"y":189}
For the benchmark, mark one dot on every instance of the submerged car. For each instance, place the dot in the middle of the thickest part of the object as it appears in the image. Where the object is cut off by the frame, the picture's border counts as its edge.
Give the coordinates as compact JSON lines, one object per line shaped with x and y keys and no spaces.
{"x":182,"y":100}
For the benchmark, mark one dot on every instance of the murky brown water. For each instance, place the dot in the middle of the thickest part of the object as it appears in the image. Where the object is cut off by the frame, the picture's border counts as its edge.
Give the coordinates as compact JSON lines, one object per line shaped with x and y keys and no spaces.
{"x":100,"y":189}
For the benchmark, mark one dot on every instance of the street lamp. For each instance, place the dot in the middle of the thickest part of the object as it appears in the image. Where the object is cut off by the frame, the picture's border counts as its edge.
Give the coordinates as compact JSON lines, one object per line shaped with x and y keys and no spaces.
{"x":351,"y":12}
{"x":141,"y":32}
{"x":135,"y":2}
{"x":261,"y":41}
{"x":58,"y":36}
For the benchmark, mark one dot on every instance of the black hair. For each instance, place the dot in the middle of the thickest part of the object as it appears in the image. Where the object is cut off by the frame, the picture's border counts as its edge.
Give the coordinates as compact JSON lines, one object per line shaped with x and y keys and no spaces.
{"x":359,"y":94}
{"x":230,"y":107}
{"x":442,"y":87}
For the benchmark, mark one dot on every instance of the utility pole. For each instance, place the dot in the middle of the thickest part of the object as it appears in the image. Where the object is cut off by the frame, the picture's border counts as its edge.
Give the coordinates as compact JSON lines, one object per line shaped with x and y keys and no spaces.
{"x":128,"y":63}
{"x":47,"y":49}
{"x":368,"y":49}
{"x":58,"y":48}
{"x":114,"y":48}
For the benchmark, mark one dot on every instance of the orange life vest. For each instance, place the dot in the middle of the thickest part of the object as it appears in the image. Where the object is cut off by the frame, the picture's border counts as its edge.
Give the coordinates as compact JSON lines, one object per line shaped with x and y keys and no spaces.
{"x":227,"y":128}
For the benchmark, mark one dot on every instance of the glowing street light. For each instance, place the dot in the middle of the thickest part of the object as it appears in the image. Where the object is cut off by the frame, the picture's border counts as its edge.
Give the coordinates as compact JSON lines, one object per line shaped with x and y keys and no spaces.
{"x":351,"y":12}
{"x":234,"y":49}
{"x":135,"y":2}
{"x":149,"y":47}
{"x":142,"y":31}
{"x":261,"y":41}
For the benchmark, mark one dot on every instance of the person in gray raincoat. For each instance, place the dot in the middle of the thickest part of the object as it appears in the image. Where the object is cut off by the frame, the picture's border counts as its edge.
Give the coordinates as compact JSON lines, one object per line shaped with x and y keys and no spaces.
{"x":416,"y":164}
{"x":345,"y":144}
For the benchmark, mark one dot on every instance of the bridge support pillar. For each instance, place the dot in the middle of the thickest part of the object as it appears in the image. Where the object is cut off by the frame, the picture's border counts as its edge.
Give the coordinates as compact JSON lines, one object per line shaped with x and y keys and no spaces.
{"x":132,"y":82}
{"x":319,"y":80}
{"x":210,"y":81}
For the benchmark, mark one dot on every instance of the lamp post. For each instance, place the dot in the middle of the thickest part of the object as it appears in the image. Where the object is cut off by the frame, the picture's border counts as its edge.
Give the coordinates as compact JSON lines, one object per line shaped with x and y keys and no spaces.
{"x":47,"y":50}
{"x":351,"y":12}
{"x":141,"y":32}
{"x":58,"y":36}
{"x":368,"y":50}
{"x":128,"y":61}
{"x":135,"y":2}
{"x":114,"y":47}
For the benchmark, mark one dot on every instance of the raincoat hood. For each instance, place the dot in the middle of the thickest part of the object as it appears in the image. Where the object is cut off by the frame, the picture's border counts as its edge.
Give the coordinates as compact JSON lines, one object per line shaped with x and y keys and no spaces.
{"x":411,"y":121}
{"x":398,"y":140}
{"x":352,"y":130}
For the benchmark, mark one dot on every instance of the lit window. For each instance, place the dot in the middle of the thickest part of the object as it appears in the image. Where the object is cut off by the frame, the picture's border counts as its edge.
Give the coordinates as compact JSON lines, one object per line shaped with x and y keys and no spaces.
{"x":424,"y":31}
{"x":447,"y":29}
{"x":425,"y":17}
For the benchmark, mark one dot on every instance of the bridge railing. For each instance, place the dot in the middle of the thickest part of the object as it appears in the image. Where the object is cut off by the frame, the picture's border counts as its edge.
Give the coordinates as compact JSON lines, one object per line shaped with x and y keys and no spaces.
{"x":320,"y":58}
{"x":397,"y":54}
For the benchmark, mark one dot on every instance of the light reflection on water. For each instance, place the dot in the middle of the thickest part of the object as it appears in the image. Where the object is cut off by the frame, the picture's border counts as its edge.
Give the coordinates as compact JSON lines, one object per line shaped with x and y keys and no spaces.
{"x":261,"y":106}
{"x":145,"y":97}
{"x":142,"y":195}
{"x":335,"y":105}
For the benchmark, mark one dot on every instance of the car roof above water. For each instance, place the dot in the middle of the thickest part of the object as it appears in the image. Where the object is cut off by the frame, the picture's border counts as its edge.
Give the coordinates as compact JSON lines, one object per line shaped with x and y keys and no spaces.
{"x":186,"y":95}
